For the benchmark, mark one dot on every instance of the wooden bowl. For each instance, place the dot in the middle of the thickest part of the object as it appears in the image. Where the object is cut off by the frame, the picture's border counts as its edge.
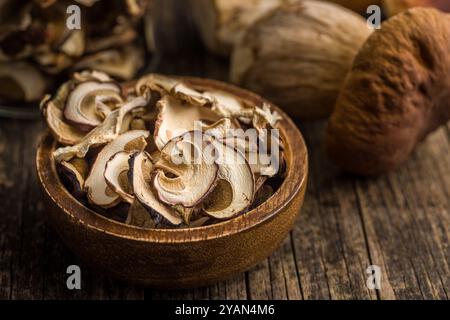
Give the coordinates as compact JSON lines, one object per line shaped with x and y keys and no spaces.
{"x":179,"y":258}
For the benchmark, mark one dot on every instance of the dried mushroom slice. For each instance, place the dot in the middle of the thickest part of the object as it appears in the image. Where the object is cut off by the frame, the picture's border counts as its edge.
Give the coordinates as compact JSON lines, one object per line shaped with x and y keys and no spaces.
{"x":21,"y":81}
{"x":156,"y":82}
{"x":235,"y":188}
{"x":75,"y":171}
{"x":176,"y":118}
{"x":60,"y":129}
{"x":141,"y":168}
{"x":122,"y":64}
{"x":116,"y":175}
{"x":185,"y":174}
{"x":264,"y":118}
{"x":88,"y":101}
{"x":139,"y":216}
{"x":186,"y":93}
{"x":229,"y":106}
{"x":98,"y":190}
{"x":91,"y":75}
{"x":104,"y":133}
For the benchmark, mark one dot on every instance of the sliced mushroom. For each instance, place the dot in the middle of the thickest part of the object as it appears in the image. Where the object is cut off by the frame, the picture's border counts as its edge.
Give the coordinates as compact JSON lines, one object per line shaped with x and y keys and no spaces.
{"x":104,"y":133}
{"x":92,"y":75}
{"x":264,"y":117}
{"x":156,"y":82}
{"x":186,"y":173}
{"x":63,"y":132}
{"x":98,"y":190}
{"x":141,"y":168}
{"x":139,"y":216}
{"x":176,"y":118}
{"x":116,"y":175}
{"x":122,"y":64}
{"x":86,"y":99}
{"x":75,"y":171}
{"x":185,"y":93}
{"x":21,"y":81}
{"x":228,"y":106}
{"x":235,"y":189}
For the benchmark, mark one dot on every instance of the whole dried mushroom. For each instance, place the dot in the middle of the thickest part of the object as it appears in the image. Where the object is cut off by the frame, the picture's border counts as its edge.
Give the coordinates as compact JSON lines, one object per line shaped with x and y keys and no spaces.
{"x":36,"y":45}
{"x":199,"y":165}
{"x":298,"y":55}
{"x":222,"y":22}
{"x":394,"y":7}
{"x":397,"y":92}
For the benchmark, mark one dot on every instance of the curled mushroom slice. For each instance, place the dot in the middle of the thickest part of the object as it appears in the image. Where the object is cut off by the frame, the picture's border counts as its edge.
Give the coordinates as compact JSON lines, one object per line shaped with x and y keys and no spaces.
{"x":122,"y":64}
{"x":156,"y":82}
{"x":84,"y":101}
{"x":264,"y":117}
{"x":139,"y":216}
{"x":141,"y":168}
{"x":75,"y":171}
{"x":176,"y":118}
{"x":20,"y":81}
{"x":104,"y":133}
{"x":91,"y":75}
{"x":62,"y":131}
{"x":185,"y":93}
{"x":228,"y":106}
{"x":116,"y":175}
{"x":96,"y":186}
{"x":235,"y":188}
{"x":185,"y":174}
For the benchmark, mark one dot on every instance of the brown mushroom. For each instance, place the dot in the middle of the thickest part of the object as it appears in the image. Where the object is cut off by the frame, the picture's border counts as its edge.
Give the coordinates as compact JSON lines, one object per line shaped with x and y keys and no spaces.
{"x":298,"y":55}
{"x":397,"y":92}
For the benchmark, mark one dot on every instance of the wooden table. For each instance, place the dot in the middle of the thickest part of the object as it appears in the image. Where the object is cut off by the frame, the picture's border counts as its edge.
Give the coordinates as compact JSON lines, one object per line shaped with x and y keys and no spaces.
{"x":400,"y":222}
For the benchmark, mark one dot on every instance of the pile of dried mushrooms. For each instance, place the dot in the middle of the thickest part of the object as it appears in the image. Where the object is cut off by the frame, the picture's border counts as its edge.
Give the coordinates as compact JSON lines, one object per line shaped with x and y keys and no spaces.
{"x":160,"y":153}
{"x":36,"y":46}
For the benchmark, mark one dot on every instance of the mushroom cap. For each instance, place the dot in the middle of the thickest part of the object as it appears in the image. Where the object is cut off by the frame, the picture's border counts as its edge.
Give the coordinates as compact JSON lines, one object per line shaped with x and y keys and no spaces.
{"x":298,"y":55}
{"x":397,"y":92}
{"x":394,"y":7}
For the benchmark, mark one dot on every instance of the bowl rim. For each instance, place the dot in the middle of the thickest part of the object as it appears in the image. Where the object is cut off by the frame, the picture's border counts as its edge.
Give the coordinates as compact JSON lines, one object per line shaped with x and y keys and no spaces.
{"x":295,"y":181}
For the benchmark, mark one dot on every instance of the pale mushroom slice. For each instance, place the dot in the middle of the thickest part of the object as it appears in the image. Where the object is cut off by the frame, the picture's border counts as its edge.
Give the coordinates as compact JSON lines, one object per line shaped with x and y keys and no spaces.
{"x":186,"y":173}
{"x":141,"y":168}
{"x":139,"y":216}
{"x":120,"y":63}
{"x":104,"y":133}
{"x":98,"y":190}
{"x":116,"y":175}
{"x":176,"y":118}
{"x":229,"y":106}
{"x":87,"y":101}
{"x":235,"y":188}
{"x":156,"y":82}
{"x":61,"y":130}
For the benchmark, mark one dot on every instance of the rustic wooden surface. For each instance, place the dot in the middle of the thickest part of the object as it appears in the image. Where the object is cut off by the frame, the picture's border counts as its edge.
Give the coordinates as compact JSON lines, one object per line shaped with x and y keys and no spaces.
{"x":400,"y":222}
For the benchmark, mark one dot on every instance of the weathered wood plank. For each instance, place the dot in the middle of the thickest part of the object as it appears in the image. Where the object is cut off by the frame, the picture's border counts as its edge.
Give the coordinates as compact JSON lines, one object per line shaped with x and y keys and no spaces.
{"x":330,"y":247}
{"x":408,"y":223}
